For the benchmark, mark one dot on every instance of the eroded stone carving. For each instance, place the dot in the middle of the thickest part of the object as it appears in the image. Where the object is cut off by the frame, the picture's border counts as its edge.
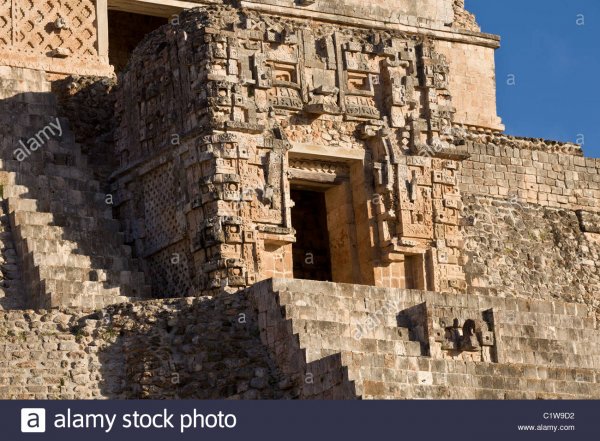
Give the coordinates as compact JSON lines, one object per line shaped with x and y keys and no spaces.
{"x":266,"y":81}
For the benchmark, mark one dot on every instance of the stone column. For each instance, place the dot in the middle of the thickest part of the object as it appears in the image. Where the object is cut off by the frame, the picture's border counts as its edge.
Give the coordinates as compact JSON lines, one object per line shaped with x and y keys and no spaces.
{"x":102,"y":23}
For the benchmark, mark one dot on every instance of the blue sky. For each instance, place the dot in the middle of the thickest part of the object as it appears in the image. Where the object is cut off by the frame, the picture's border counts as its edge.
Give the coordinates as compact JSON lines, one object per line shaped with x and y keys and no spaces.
{"x":556,"y":64}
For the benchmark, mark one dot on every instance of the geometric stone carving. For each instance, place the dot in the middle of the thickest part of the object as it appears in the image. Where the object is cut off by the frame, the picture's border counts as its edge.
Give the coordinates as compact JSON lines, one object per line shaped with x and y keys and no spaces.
{"x":464,"y":335}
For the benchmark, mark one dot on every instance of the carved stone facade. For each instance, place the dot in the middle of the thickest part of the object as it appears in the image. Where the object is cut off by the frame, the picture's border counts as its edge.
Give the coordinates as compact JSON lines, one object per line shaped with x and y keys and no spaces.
{"x":54,"y":36}
{"x":379,"y":112}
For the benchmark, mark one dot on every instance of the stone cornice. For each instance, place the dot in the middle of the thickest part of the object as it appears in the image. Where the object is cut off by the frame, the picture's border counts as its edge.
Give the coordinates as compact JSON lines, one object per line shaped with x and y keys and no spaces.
{"x":449,"y":34}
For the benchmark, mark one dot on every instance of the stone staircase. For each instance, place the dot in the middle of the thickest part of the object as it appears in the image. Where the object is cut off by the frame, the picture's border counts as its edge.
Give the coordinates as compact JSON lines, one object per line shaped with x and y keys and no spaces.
{"x":12,"y":294}
{"x":330,"y":336}
{"x":332,"y":328}
{"x":70,"y":250}
{"x":551,"y":334}
{"x":311,"y":329}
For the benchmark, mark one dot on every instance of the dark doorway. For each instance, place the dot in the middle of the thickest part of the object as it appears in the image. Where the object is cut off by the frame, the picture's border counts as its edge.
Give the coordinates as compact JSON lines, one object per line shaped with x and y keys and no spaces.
{"x":414,"y":276}
{"x":125,"y":31}
{"x":311,"y":250}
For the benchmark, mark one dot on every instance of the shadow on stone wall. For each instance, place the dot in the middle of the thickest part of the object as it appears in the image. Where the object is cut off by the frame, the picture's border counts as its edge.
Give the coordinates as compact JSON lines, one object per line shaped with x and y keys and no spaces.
{"x":89,"y":104}
{"x":326,"y":375}
{"x":78,"y":250}
{"x":192,"y":348}
{"x":185,"y":348}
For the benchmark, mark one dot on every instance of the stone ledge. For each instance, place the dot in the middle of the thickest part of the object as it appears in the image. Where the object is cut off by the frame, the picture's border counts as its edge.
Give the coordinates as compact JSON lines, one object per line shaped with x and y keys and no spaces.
{"x":441,"y":32}
{"x":524,"y":143}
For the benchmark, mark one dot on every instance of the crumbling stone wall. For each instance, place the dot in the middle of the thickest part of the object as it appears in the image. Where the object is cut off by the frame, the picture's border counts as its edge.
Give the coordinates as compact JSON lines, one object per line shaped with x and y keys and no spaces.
{"x":531,"y":251}
{"x":530,"y":218}
{"x":305,"y":339}
{"x":12,"y":292}
{"x":185,"y":348}
{"x":463,"y":19}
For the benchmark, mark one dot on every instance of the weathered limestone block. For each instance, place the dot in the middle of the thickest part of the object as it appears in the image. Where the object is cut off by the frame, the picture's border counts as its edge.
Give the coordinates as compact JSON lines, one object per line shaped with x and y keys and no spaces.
{"x":406,"y":343}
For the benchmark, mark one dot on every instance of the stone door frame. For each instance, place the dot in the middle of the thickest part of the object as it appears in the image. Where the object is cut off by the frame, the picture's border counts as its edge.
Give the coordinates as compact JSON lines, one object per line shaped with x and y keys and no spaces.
{"x":336,"y":172}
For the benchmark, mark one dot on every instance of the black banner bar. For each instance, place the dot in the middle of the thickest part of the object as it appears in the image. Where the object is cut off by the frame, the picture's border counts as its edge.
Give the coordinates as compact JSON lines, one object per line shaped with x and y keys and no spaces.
{"x":299,"y":420}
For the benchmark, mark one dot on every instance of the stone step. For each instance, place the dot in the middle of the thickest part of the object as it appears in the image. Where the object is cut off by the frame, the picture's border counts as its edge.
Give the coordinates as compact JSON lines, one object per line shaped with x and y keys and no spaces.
{"x":89,"y":223}
{"x":325,"y":296}
{"x":321,"y":328}
{"x":111,"y":262}
{"x":115,"y":263}
{"x":83,"y":288}
{"x":52,"y":152}
{"x":319,"y":336}
{"x":79,"y":294}
{"x":71,"y":249}
{"x":60,"y":184}
{"x":323,"y":300}
{"x":14,"y":191}
{"x":302,"y":315}
{"x":559,"y":330}
{"x":40,"y":168}
{"x":381,"y":376}
{"x":95,"y":247}
{"x":358,"y":310}
{"x":79,"y":239}
{"x":44,"y":185}
{"x":25,"y":246}
{"x":542,"y":358}
{"x":73,"y":207}
{"x":320,"y":347}
{"x":21,"y":90}
{"x":583,"y":346}
{"x":66,"y":171}
{"x":314,"y":313}
{"x":86,"y":223}
{"x":43,"y":107}
{"x":37,"y":259}
{"x":564,"y":326}
{"x":31,"y":218}
{"x":38,"y":122}
{"x":69,"y":206}
{"x":35,"y":131}
{"x":74,"y":274}
{"x":526,"y":324}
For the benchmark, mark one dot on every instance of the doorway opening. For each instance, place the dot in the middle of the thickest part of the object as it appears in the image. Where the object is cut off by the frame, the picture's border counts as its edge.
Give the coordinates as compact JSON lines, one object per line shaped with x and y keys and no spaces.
{"x":310,"y":253}
{"x":125,"y":31}
{"x":414,"y":272}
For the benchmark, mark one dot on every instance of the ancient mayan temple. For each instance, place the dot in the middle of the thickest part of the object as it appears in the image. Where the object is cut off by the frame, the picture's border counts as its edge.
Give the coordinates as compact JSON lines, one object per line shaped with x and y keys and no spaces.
{"x":282,"y":199}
